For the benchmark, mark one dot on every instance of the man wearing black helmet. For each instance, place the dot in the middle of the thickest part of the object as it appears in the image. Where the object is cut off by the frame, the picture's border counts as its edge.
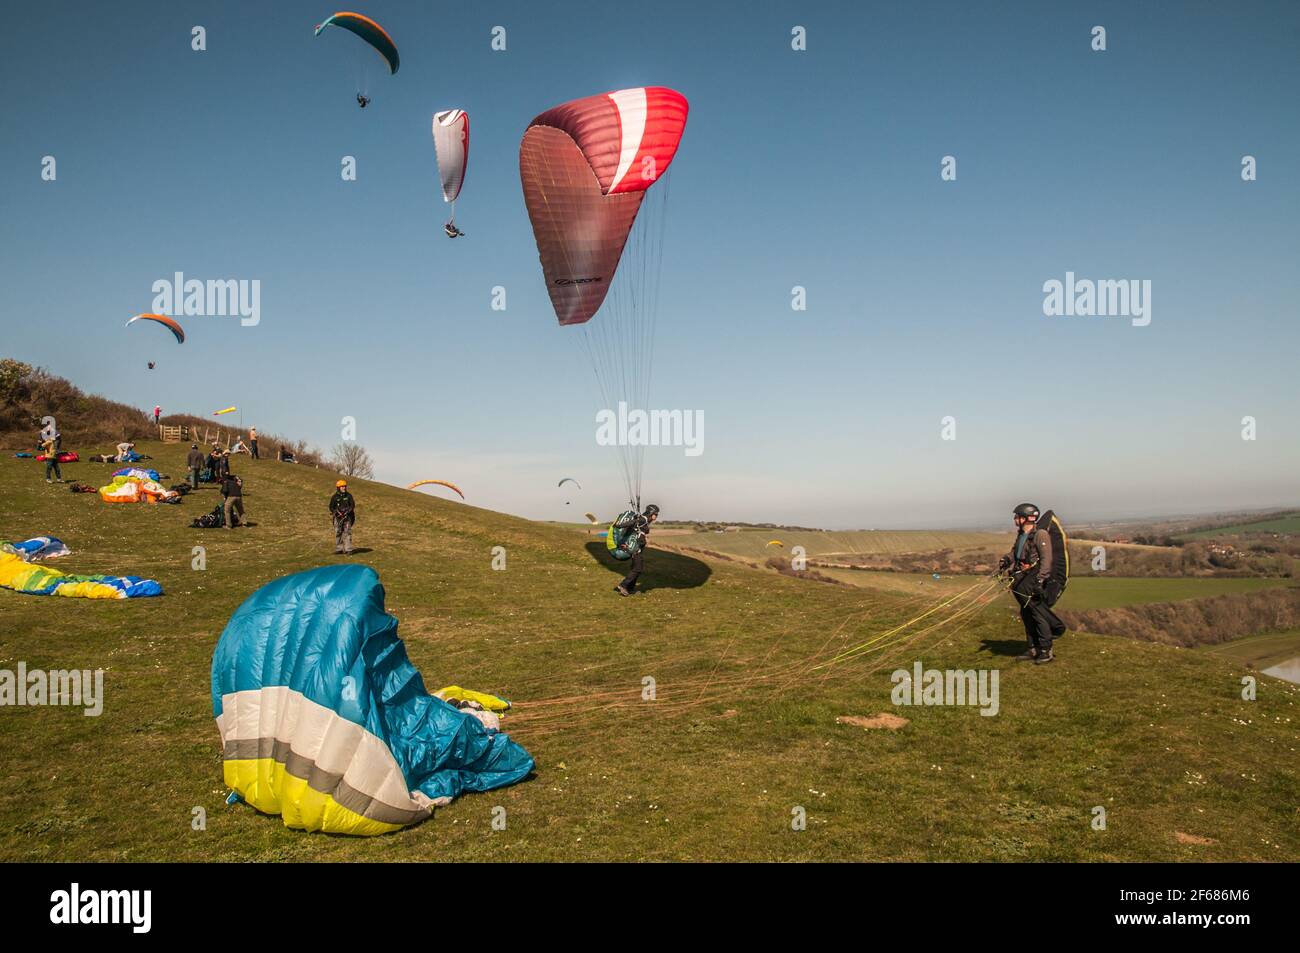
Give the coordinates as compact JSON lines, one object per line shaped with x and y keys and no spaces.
{"x":1036,"y":584}
{"x":639,"y":532}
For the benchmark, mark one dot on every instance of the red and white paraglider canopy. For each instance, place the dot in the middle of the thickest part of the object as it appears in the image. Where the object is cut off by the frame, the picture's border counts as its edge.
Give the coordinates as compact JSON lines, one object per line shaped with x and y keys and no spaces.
{"x":585,"y":167}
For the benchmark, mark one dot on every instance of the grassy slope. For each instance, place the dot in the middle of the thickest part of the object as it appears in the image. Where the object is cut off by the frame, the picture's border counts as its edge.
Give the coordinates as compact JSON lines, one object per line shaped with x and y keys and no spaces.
{"x":1262,"y":651}
{"x":1158,"y":736}
{"x":1084,"y":592}
{"x":753,"y":543}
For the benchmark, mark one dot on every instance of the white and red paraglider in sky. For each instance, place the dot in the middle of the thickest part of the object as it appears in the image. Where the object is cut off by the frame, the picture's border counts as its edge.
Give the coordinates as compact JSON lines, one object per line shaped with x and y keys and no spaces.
{"x":586,"y":168}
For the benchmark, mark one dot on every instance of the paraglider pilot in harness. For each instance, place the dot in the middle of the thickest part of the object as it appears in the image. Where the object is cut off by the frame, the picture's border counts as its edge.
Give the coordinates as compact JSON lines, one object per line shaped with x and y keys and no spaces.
{"x":343,"y":510}
{"x":363,"y":101}
{"x":1039,"y":564}
{"x":452,"y":231}
{"x":629,"y":533}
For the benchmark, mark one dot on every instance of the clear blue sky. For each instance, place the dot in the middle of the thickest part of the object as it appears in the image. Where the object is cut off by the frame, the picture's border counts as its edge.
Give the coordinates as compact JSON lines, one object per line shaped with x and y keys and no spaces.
{"x":818,"y":168}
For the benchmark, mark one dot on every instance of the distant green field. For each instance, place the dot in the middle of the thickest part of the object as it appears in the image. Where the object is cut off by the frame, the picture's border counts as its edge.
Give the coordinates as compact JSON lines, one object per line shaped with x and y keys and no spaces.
{"x":756,"y":543}
{"x":1286,"y":525}
{"x":1084,"y":592}
{"x":1259,"y":650}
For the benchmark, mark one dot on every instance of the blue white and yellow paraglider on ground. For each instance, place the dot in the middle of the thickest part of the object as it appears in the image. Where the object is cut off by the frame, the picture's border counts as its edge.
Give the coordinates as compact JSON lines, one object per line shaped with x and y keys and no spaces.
{"x":324,"y":720}
{"x":19,"y":571}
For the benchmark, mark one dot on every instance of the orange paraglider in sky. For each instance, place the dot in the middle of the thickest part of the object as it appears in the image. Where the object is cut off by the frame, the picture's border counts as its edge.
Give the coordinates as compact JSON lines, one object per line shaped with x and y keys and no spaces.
{"x":451,"y":486}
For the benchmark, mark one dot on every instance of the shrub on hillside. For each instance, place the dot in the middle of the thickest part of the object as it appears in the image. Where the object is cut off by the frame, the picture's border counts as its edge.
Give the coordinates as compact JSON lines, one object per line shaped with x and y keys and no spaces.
{"x":29,"y":394}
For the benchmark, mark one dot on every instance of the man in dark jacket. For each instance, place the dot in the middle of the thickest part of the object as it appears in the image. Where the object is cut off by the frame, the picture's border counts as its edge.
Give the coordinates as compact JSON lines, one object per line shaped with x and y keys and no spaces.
{"x":344,"y":511}
{"x":639,"y":533}
{"x":195,"y":462}
{"x":1030,"y":562}
{"x":232,"y":491}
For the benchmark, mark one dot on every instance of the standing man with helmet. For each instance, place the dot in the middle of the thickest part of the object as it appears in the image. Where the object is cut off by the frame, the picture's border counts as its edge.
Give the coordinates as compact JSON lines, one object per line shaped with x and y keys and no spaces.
{"x":344,"y":511}
{"x":1039,"y":563}
{"x":634,"y":541}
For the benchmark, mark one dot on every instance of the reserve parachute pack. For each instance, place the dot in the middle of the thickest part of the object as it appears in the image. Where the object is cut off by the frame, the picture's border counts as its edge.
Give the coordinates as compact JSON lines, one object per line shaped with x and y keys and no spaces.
{"x":1050,"y":524}
{"x":621,"y":539}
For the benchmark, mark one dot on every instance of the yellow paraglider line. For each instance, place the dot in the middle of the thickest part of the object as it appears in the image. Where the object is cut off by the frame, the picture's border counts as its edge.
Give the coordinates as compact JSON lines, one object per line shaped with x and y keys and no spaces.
{"x":853,"y":651}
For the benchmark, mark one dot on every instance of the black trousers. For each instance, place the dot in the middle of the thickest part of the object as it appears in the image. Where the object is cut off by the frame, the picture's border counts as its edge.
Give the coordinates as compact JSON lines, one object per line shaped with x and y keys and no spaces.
{"x":638,"y":563}
{"x":1042,"y":625}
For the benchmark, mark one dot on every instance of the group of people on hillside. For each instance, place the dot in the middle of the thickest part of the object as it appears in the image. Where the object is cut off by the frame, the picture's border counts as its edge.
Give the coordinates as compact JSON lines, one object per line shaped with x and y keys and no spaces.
{"x":217,"y":463}
{"x":1037,"y":578}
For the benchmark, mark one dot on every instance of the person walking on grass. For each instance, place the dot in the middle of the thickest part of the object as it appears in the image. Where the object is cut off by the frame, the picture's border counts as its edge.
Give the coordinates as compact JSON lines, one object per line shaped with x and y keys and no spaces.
{"x":1039,"y":568}
{"x":635,"y":543}
{"x":252,"y":442}
{"x":232,"y":491}
{"x":343,"y":509}
{"x":195,"y":462}
{"x":51,"y":450}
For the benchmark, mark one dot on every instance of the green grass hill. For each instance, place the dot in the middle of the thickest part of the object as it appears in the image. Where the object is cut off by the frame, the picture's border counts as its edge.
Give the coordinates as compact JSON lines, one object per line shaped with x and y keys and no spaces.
{"x":744,"y":731}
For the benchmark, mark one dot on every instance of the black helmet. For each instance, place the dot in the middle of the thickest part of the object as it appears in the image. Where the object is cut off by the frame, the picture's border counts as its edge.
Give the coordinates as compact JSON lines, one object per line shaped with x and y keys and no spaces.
{"x":1027,"y":510}
{"x":651,"y":510}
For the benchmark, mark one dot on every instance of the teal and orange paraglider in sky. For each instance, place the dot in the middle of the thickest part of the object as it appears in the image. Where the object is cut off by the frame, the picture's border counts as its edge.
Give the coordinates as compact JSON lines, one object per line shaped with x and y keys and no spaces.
{"x":368,"y":30}
{"x":374,"y":35}
{"x":169,"y":323}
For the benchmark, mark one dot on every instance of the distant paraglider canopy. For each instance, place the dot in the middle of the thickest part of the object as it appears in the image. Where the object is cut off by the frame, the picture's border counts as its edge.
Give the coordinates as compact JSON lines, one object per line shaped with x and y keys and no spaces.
{"x":570,"y":480}
{"x":585,"y":167}
{"x":368,"y":30}
{"x":776,"y":542}
{"x":169,"y":323}
{"x":450,"y":486}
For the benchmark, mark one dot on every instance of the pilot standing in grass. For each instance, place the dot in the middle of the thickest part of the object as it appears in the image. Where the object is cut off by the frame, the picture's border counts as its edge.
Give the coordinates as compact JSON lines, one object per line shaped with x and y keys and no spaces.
{"x":639,"y":533}
{"x":1031,"y":562}
{"x":343,"y":508}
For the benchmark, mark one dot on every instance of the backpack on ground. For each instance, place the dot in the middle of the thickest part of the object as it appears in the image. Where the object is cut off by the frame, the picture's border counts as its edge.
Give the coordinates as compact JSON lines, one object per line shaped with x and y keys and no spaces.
{"x":213,"y":520}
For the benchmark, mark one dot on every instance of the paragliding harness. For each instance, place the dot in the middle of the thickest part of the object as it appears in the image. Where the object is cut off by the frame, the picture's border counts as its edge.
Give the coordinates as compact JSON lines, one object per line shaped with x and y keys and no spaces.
{"x":214,"y":520}
{"x":1048,"y":523}
{"x":624,"y":539}
{"x":363,"y":101}
{"x":452,"y":231}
